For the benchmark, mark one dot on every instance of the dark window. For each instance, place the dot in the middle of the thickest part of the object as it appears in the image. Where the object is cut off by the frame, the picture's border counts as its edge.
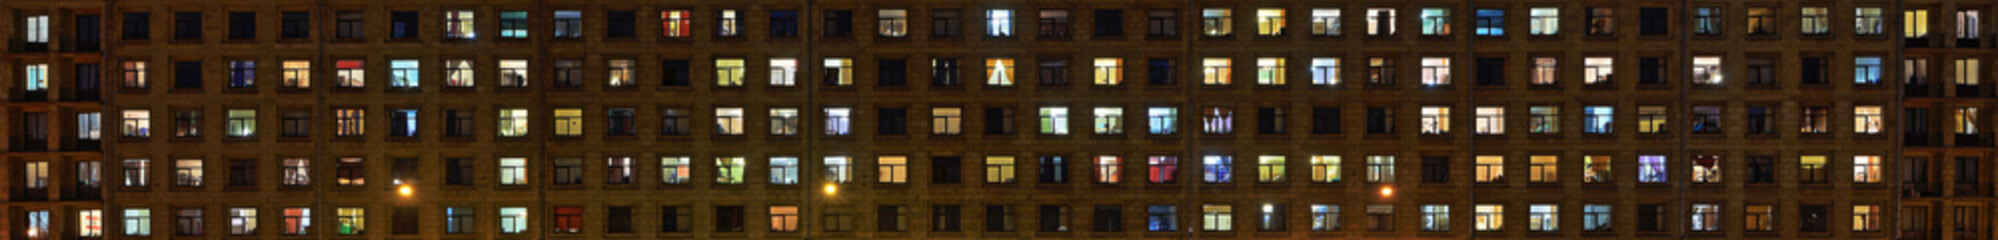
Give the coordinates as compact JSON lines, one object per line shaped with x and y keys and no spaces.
{"x":943,"y":72}
{"x":1650,"y":217}
{"x":242,"y":25}
{"x":187,"y":25}
{"x":1380,"y":120}
{"x":946,"y":169}
{"x":946,"y":218}
{"x":1325,"y":120}
{"x":1161,"y":23}
{"x":1054,"y":218}
{"x":347,"y":24}
{"x":621,"y":24}
{"x":1761,"y":169}
{"x":1435,"y":169}
{"x":1650,"y":70}
{"x":889,"y":219}
{"x":1054,"y":169}
{"x":675,"y":219}
{"x":568,"y":171}
{"x":242,"y":172}
{"x":186,"y":123}
{"x":894,"y":72}
{"x":617,"y":220}
{"x":458,"y":123}
{"x":1270,"y":120}
{"x":1916,"y":170}
{"x":1759,"y":121}
{"x":458,"y":172}
{"x":623,"y":122}
{"x":1653,"y":21}
{"x":402,"y":170}
{"x":297,"y":123}
{"x":138,"y":26}
{"x":1108,"y":218}
{"x":405,"y":221}
{"x":295,"y":25}
{"x":402,"y":24}
{"x":1966,"y":170}
{"x":1109,"y":22}
{"x":998,"y":120}
{"x":187,"y":74}
{"x":1054,"y":72}
{"x":839,"y":23}
{"x":1813,"y":70}
{"x":998,"y":218}
{"x":402,"y":123}
{"x":674,"y":121}
{"x":88,"y":77}
{"x":784,"y":23}
{"x":1491,"y":71}
{"x":1160,"y":72}
{"x":892,"y":121}
{"x":673,"y":72}
{"x":88,"y":32}
{"x":1054,"y":23}
{"x":1812,"y":218}
{"x":946,"y":23}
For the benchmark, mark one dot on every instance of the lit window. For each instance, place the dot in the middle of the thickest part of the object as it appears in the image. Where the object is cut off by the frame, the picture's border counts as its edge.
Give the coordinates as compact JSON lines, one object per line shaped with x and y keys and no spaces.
{"x":1490,"y":169}
{"x":90,"y":223}
{"x":1758,"y":218}
{"x":999,"y":169}
{"x":1866,"y":119}
{"x":1544,"y":119}
{"x":1109,"y":71}
{"x":138,"y":222}
{"x":1811,"y":169}
{"x":513,"y":24}
{"x":1162,"y":169}
{"x":459,"y":24}
{"x":1706,"y":21}
{"x":242,"y":123}
{"x":1324,"y":71}
{"x":1054,"y":120}
{"x":1602,"y":21}
{"x":1325,"y":169}
{"x":783,"y":72}
{"x":351,"y":221}
{"x":37,"y":29}
{"x":1706,"y":169}
{"x":729,"y":170}
{"x":1380,"y":169}
{"x":1217,"y":121}
{"x":729,"y":71}
{"x":1596,"y":217}
{"x":838,"y":121}
{"x":1596,"y":70}
{"x":135,"y":74}
{"x":1217,"y":217}
{"x":137,"y":123}
{"x":1816,"y":21}
{"x":1270,"y":169}
{"x":1541,"y":169}
{"x":784,"y":218}
{"x":728,"y":24}
{"x":1490,"y":120}
{"x":1216,"y":168}
{"x":1866,"y":218}
{"x":1866,"y":70}
{"x":1380,"y":71}
{"x":1108,"y":120}
{"x":1215,"y":71}
{"x":675,"y":169}
{"x":1543,"y":217}
{"x":457,"y":73}
{"x":1435,"y":22}
{"x":1869,"y":21}
{"x":839,"y":72}
{"x":1706,"y":217}
{"x":1436,"y":217}
{"x":513,"y":220}
{"x":1597,"y":119}
{"x":999,"y":23}
{"x":728,"y":121}
{"x":1216,"y":22}
{"x":513,"y":73}
{"x":618,"y":170}
{"x":1491,"y":22}
{"x":1269,"y":71}
{"x":839,"y":169}
{"x":677,"y":23}
{"x":1162,"y":120}
{"x":1435,"y":120}
{"x":784,"y":121}
{"x":1380,"y":21}
{"x":1707,"y":70}
{"x":1324,"y":217}
{"x":946,"y":121}
{"x":1544,"y":21}
{"x":349,"y":73}
{"x":1109,"y":169}
{"x":297,"y":74}
{"x":893,"y":22}
{"x":783,"y":170}
{"x":1815,"y":119}
{"x":999,"y":71}
{"x":1269,"y":22}
{"x":1968,"y":24}
{"x":1488,"y":217}
{"x":1866,"y":169}
{"x":513,"y":122}
{"x":1651,"y":119}
{"x":37,"y":174}
{"x":1651,"y":169}
{"x":893,"y":169}
{"x":1968,"y":71}
{"x":513,"y":171}
{"x":1435,"y":71}
{"x":37,"y":78}
{"x":187,"y":172}
{"x":1915,"y":23}
{"x":1325,"y":22}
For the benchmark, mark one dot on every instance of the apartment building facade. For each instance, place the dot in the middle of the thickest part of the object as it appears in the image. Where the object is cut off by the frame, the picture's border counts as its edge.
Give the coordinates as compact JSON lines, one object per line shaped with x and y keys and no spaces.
{"x":890,"y":119}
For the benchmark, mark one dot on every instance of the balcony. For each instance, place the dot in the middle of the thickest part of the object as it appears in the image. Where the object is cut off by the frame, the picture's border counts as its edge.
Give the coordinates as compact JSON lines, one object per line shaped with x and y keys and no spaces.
{"x":1918,"y":189}
{"x":1921,"y":42}
{"x":30,"y":194}
{"x":1917,"y":87}
{"x":1968,"y":42}
{"x":1970,"y":190}
{"x":1971,"y":140}
{"x":1969,"y":91}
{"x":1920,"y":139}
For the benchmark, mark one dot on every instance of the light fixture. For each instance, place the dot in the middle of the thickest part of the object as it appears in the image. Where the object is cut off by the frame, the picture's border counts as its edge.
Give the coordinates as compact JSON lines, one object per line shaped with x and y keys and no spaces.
{"x":405,"y":190}
{"x":832,"y":189}
{"x":1387,"y":191}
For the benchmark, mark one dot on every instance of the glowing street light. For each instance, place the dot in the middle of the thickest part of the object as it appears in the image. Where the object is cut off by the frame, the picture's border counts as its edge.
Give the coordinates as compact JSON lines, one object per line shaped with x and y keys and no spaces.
{"x":405,"y":190}
{"x":832,"y":189}
{"x":1387,"y":191}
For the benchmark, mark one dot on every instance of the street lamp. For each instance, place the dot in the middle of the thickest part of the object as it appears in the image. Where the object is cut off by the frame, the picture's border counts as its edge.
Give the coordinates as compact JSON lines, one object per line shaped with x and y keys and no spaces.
{"x":405,"y":190}
{"x":832,"y":189}
{"x":1387,"y":191}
